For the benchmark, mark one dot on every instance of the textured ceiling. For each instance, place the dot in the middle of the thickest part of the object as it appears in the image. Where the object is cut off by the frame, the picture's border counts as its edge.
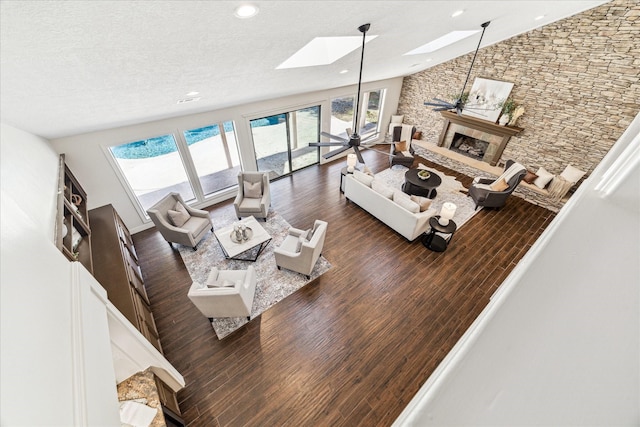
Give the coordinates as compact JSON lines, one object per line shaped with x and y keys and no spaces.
{"x":69,"y":67}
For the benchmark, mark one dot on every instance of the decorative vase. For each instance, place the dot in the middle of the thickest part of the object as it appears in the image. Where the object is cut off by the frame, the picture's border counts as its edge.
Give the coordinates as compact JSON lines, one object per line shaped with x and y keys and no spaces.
{"x":504,"y":119}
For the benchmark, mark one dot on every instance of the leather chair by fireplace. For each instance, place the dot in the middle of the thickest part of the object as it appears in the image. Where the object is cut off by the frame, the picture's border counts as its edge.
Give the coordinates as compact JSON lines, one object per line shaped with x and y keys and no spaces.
{"x":399,"y":156}
{"x":493,"y":193}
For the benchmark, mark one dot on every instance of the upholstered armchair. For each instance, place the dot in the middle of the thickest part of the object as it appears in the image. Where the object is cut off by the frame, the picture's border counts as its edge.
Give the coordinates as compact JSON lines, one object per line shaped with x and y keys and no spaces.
{"x":493,"y":193}
{"x":178,"y":222}
{"x":301,"y":249}
{"x":402,"y":155}
{"x":254,"y":196}
{"x":227,"y":293}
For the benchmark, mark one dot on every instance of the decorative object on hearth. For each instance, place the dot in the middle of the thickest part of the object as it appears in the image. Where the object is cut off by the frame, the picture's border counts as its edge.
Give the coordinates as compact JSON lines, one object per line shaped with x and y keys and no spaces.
{"x":446,"y":213}
{"x":272,"y":285}
{"x":351,"y":162}
{"x":560,"y":185}
{"x":458,"y":105}
{"x":504,"y":119}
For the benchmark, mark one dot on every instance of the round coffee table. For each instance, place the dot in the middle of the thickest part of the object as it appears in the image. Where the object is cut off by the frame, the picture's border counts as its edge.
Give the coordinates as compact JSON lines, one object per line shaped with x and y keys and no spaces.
{"x":421,"y":187}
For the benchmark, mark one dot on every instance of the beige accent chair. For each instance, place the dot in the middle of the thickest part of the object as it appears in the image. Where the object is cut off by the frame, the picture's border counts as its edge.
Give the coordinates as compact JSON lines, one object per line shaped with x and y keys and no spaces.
{"x":299,"y":252}
{"x":227,"y":293}
{"x":187,"y":234}
{"x":249,"y":201}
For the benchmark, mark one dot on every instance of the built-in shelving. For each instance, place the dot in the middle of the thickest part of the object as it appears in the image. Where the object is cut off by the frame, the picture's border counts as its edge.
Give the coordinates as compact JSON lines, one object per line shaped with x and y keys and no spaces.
{"x":73,"y":234}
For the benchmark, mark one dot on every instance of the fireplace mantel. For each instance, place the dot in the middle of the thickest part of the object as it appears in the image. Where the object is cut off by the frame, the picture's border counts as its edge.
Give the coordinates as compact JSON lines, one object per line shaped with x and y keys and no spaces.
{"x":500,"y":134}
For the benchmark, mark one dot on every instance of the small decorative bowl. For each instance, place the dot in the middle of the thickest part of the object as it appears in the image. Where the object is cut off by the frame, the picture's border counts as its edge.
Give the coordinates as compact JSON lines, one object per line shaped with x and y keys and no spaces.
{"x":423,"y":174}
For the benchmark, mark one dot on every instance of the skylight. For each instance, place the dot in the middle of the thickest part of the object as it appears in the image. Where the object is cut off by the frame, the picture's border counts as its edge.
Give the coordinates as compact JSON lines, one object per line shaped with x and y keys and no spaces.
{"x":323,"y":51}
{"x":441,"y":42}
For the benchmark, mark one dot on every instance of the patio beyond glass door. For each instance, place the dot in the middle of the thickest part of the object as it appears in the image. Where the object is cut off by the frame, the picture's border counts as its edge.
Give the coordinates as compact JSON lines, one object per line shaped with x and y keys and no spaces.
{"x":153,"y":167}
{"x":281,"y":142}
{"x":215,"y":156}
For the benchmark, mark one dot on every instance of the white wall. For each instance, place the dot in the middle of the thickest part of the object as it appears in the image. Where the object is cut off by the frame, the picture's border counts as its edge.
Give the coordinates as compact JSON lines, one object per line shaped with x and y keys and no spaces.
{"x":56,"y":362}
{"x":29,"y":175}
{"x":559,"y":343}
{"x":86,"y":157}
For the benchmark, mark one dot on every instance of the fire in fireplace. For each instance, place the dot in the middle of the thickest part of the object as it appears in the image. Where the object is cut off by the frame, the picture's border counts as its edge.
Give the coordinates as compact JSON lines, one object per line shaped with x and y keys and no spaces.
{"x":471,"y":147}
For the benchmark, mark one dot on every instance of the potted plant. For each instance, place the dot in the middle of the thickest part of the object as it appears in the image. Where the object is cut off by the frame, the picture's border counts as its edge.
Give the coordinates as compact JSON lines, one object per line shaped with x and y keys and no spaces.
{"x":508,"y":106}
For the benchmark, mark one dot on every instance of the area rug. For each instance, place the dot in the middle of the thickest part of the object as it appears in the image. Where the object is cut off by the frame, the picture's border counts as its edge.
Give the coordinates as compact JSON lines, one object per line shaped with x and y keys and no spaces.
{"x":272,"y":285}
{"x":451,"y":190}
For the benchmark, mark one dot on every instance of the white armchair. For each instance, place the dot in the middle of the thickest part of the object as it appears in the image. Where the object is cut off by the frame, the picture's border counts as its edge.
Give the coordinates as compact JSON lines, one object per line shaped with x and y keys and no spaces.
{"x":254,"y":196}
{"x":299,"y":252}
{"x":227,"y":293}
{"x":179,"y":222}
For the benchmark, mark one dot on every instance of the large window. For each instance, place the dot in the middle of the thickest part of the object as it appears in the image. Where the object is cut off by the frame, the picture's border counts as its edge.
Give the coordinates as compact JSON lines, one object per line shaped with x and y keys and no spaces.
{"x":156,"y":166}
{"x":281,"y":141}
{"x":153,"y":167}
{"x":343,"y":109}
{"x":215,"y":156}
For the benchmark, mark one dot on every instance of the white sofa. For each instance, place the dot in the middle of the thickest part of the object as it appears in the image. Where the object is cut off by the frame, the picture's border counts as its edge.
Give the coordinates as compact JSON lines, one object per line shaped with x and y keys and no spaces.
{"x":409,"y":224}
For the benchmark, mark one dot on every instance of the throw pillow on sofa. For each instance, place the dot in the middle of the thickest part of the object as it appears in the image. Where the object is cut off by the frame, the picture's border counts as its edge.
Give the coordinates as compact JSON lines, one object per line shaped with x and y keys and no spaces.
{"x":404,"y":200}
{"x":380,"y":187}
{"x":363,"y":178}
{"x":423,"y":202}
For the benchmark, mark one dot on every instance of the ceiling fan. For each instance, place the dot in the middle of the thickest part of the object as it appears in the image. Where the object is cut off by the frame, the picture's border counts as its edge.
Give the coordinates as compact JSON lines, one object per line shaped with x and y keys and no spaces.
{"x":354,"y":140}
{"x":458,"y":104}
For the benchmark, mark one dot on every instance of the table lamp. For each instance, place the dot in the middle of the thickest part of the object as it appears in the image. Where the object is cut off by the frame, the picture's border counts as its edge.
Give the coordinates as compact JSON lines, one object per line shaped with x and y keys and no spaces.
{"x":351,"y":162}
{"x":446,"y":213}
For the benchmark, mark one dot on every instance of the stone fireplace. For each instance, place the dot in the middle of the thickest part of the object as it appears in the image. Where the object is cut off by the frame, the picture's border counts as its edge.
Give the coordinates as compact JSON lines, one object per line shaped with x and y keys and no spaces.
{"x":474,"y":137}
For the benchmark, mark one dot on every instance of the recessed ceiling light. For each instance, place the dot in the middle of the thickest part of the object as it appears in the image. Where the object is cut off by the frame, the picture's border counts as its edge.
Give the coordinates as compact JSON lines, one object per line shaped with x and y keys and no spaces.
{"x":323,"y":51}
{"x":194,"y":93}
{"x":246,"y":11}
{"x":344,"y":71}
{"x":185,"y":100}
{"x":441,"y":42}
{"x":457,"y":13}
{"x":537,"y":18}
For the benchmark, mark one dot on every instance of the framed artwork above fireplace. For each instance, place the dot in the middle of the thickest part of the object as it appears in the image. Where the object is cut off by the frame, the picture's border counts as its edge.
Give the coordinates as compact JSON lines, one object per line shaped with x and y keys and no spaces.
{"x":485,"y":98}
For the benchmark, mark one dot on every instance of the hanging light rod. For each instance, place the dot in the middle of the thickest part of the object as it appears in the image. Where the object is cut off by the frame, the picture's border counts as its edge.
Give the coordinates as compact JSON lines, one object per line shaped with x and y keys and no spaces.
{"x":458,"y":105}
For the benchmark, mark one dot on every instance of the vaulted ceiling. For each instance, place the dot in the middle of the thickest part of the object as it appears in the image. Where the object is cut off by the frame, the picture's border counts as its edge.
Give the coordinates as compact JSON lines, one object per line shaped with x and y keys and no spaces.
{"x":72,"y":67}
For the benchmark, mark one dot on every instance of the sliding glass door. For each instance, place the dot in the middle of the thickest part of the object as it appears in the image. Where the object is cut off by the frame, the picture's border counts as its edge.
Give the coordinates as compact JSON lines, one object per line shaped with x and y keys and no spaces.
{"x":281,"y":142}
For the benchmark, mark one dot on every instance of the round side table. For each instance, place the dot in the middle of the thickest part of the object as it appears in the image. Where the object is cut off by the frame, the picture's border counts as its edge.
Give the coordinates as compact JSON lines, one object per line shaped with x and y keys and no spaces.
{"x":435,"y":242}
{"x":343,"y":173}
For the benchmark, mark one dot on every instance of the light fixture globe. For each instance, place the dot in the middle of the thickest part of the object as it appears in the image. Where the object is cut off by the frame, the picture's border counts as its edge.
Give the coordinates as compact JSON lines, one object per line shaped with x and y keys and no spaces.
{"x":246,"y":11}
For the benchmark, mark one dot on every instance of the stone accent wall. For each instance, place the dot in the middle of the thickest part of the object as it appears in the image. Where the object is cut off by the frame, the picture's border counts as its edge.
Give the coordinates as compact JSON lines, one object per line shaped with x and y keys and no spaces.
{"x":578,"y":80}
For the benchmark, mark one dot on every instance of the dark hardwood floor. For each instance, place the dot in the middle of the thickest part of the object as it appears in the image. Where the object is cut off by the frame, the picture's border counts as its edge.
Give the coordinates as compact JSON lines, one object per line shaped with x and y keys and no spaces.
{"x":352,"y":347}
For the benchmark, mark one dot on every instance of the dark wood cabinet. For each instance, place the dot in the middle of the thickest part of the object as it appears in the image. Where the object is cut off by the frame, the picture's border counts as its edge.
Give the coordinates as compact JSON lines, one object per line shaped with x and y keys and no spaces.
{"x":73,"y":235}
{"x":168,"y":398}
{"x":116,"y":267}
